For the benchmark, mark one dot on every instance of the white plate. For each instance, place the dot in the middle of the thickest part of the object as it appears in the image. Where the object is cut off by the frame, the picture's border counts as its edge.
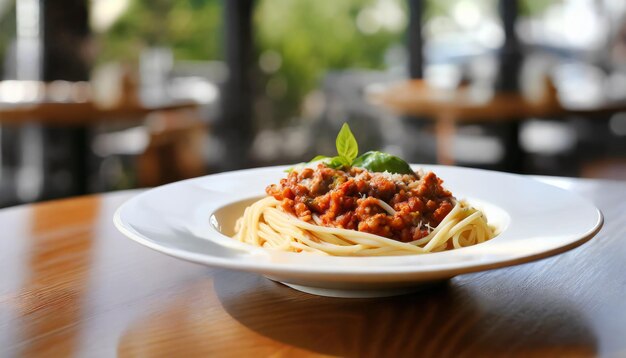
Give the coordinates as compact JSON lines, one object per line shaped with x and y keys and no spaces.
{"x":184,"y":220}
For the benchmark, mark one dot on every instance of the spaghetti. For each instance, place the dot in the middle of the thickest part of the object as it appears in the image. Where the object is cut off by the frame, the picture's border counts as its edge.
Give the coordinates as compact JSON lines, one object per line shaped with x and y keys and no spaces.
{"x":360,"y":213}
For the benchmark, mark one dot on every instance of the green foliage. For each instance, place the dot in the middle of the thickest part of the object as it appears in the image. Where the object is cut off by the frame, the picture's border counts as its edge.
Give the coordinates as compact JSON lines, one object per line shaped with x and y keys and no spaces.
{"x":191,"y":28}
{"x":535,"y":7}
{"x":316,"y":36}
{"x":7,"y":32}
{"x":311,"y":37}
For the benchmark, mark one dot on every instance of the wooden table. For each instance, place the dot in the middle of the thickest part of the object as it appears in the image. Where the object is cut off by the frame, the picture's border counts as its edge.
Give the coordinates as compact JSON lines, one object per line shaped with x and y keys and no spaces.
{"x":76,"y":104}
{"x":83,"y":113}
{"x":79,"y":117}
{"x":449,"y":107}
{"x":72,"y":285}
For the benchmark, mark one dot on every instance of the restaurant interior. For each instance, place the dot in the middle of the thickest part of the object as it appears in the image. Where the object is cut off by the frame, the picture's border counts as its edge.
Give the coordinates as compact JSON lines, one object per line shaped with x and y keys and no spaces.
{"x":105,"y":95}
{"x":515,"y":246}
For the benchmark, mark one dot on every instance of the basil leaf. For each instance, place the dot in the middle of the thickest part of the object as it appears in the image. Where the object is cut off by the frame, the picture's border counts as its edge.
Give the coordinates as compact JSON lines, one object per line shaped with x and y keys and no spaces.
{"x":375,"y":161}
{"x":348,"y":150}
{"x":317,"y":157}
{"x":336,"y":162}
{"x":347,"y":146}
{"x":332,"y":162}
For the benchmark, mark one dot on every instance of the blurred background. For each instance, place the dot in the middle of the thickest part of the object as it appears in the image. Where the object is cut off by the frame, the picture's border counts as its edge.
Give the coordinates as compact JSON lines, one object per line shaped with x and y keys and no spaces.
{"x":99,"y":95}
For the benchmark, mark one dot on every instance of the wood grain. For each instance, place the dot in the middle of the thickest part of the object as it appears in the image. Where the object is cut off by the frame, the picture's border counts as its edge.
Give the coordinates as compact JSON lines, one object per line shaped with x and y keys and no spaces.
{"x":71,"y":285}
{"x":58,"y":269}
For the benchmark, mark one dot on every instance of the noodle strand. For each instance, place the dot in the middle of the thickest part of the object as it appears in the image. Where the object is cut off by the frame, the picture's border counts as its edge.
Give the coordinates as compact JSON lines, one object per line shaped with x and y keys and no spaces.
{"x":264,"y":224}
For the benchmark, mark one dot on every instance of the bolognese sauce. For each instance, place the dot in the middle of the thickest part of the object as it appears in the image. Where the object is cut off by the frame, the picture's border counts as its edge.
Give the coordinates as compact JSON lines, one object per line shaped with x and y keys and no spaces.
{"x":401,"y":207}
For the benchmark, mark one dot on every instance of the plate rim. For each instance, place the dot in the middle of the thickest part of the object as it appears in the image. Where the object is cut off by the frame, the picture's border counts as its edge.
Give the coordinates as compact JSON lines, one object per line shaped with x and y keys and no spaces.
{"x":406,"y":271}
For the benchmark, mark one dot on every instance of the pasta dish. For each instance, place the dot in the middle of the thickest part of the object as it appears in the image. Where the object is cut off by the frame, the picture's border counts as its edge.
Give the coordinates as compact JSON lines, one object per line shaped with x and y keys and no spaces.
{"x":370,"y":205}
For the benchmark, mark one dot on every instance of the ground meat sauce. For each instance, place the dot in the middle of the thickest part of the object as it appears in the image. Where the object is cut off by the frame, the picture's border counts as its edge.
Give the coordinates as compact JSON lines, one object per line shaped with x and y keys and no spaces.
{"x":348,"y":199}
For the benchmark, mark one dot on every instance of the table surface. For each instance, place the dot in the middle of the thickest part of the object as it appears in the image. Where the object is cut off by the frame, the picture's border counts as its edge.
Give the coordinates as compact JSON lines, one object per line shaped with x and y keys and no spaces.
{"x":417,"y":98}
{"x":83,"y":113}
{"x":74,"y":103}
{"x":72,"y":285}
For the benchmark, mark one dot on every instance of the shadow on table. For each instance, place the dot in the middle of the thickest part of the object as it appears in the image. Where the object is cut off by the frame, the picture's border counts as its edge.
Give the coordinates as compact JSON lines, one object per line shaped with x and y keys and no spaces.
{"x":449,"y":320}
